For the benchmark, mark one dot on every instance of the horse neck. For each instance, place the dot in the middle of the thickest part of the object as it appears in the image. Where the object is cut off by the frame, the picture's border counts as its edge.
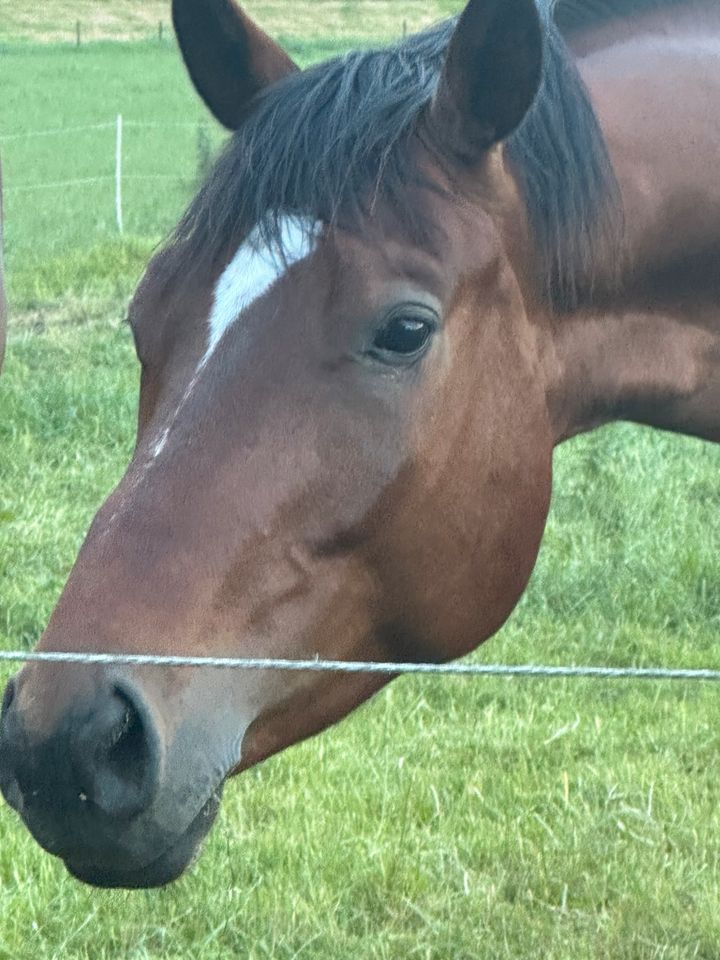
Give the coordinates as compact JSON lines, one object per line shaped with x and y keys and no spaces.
{"x":648,"y":366}
{"x":650,"y":351}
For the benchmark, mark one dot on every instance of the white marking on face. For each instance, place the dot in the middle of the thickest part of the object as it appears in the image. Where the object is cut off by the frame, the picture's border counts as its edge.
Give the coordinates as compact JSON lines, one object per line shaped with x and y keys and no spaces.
{"x":162,"y":439}
{"x":159,"y":445}
{"x":254,"y":270}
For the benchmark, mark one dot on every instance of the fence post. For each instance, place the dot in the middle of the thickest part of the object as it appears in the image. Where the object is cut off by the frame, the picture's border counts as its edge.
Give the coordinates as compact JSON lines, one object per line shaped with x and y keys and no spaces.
{"x":118,"y":174}
{"x":405,"y":28}
{"x":160,"y":31}
{"x":78,"y":34}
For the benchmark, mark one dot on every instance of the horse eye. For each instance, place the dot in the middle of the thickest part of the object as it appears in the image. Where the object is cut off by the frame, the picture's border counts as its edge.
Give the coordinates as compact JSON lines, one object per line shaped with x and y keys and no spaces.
{"x":403,"y":335}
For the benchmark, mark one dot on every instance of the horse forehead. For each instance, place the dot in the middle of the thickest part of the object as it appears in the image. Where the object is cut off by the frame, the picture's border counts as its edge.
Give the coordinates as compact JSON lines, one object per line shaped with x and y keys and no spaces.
{"x":256,"y":267}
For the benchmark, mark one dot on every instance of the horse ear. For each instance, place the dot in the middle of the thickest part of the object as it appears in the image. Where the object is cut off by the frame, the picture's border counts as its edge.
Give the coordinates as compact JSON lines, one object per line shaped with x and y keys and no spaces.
{"x":490,"y":78}
{"x":229,"y":58}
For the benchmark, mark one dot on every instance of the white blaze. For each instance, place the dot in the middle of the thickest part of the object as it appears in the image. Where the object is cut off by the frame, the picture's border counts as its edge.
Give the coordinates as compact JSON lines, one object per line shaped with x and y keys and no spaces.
{"x":254,"y":270}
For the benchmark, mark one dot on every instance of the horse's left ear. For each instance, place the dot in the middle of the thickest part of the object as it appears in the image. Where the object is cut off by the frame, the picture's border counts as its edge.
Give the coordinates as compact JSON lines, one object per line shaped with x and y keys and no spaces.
{"x":229,"y":58}
{"x":491,"y":76}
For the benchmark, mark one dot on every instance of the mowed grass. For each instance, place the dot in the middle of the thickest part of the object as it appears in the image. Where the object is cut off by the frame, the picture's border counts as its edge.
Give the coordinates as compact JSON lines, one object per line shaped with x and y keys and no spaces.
{"x":463,"y":819}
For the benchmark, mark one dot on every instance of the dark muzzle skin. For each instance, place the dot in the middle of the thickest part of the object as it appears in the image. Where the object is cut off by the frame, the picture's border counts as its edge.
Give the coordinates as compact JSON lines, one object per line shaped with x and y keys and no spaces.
{"x":91,"y":786}
{"x":105,"y":752}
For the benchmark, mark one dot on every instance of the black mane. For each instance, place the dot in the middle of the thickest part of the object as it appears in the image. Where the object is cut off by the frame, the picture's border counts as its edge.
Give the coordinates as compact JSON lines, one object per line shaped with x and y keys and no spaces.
{"x":331,"y":140}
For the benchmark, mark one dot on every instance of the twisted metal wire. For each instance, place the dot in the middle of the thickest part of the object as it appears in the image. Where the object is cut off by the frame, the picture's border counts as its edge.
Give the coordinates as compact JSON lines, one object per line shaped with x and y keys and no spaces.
{"x":355,"y":667}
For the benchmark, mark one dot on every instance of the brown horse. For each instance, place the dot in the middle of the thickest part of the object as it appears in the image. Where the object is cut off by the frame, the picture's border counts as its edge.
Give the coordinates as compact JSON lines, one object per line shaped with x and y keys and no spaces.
{"x":411,"y":275}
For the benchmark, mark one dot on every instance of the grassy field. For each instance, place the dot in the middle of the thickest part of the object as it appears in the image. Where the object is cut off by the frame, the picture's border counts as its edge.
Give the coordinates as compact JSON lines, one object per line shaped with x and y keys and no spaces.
{"x":451,"y":820}
{"x":64,"y":239}
{"x":61,"y":234}
{"x":139,"y":19}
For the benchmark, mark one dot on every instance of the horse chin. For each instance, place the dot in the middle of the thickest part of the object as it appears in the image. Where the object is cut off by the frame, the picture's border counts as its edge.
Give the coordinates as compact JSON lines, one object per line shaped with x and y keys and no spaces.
{"x":165,"y":869}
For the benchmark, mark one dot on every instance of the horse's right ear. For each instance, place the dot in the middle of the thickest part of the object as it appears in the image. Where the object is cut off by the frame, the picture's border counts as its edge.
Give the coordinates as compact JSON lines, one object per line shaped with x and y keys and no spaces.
{"x":229,"y":58}
{"x":491,"y":76}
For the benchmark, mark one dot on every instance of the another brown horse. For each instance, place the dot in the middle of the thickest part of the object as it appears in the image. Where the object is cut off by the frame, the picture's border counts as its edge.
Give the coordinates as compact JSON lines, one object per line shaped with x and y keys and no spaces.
{"x":411,"y":275}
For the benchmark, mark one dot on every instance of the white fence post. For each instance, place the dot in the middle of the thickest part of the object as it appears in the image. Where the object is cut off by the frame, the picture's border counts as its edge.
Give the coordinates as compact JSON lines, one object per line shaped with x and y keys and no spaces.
{"x":118,"y":174}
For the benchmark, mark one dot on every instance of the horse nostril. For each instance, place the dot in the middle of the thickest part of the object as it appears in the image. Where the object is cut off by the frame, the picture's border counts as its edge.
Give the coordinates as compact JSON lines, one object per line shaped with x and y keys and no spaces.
{"x":118,"y":757}
{"x":124,"y":750}
{"x":8,"y":698}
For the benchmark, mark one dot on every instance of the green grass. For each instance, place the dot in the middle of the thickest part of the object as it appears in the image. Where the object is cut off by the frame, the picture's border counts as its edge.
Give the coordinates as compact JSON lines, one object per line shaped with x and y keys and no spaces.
{"x":467,"y":820}
{"x":64,"y":239}
{"x":138,"y":19}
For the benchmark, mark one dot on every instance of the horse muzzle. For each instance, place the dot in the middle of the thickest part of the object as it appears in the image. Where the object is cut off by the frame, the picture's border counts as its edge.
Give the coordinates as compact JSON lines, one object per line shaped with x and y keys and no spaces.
{"x":95,"y":788}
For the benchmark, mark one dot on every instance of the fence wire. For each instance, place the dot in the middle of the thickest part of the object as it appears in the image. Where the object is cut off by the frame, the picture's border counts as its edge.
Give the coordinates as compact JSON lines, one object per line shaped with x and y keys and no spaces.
{"x":318,"y":665}
{"x":107,"y":125}
{"x":55,"y":131}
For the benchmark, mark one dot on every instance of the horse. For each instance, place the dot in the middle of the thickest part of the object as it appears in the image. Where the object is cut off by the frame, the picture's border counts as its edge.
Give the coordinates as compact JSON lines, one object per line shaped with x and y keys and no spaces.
{"x":3,"y":299}
{"x":413,"y":272}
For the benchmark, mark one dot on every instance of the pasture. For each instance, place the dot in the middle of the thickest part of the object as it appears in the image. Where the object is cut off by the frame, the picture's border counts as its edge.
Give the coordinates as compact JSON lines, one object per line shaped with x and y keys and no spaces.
{"x":447,"y":820}
{"x":138,"y":19}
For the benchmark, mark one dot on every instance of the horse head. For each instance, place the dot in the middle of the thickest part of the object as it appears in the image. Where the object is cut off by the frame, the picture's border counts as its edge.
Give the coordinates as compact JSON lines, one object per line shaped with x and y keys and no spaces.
{"x":345,"y":427}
